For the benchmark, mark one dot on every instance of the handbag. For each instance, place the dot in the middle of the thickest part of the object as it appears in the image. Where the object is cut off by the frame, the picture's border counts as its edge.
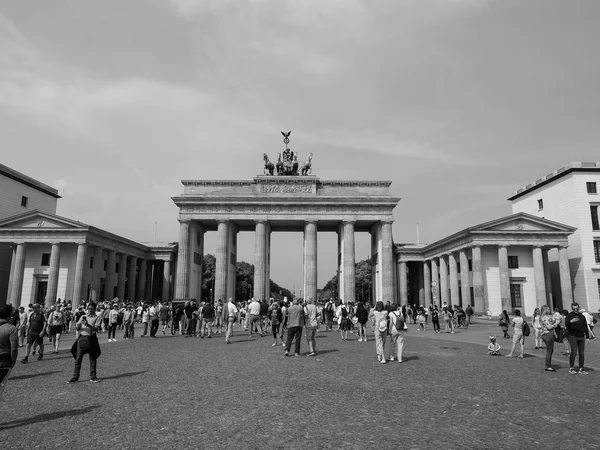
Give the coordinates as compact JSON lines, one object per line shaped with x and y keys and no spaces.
{"x":85,"y":342}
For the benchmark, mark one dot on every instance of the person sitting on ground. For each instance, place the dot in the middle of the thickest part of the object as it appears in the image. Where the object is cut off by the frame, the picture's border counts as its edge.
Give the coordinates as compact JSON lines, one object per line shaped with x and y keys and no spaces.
{"x":493,"y":347}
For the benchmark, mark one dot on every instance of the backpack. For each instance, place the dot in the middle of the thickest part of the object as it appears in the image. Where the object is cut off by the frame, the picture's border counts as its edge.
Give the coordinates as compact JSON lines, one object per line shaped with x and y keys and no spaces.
{"x":382,"y":325}
{"x":344,"y":312}
{"x":526,"y":329}
{"x":400,"y":323}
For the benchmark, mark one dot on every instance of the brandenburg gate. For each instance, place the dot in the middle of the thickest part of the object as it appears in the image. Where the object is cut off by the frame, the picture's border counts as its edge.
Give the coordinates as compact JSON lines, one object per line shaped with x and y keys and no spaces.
{"x":287,"y":198}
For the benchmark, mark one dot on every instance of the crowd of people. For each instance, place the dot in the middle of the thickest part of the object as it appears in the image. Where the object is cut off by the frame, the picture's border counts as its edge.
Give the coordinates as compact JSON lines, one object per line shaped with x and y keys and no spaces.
{"x":286,"y":321}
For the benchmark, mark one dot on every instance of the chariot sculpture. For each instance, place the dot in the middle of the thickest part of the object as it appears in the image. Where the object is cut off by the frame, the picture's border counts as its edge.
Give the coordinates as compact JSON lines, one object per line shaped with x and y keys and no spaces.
{"x":287,"y":162}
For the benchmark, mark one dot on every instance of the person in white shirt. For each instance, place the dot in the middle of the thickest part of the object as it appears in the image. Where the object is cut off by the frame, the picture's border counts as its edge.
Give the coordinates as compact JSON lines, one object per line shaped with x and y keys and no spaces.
{"x":230,"y":313}
{"x":253,"y":317}
{"x":590,"y":322}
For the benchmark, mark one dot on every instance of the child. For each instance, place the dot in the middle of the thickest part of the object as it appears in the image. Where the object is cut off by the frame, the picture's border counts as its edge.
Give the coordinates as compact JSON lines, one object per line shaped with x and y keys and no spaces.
{"x":494,"y":347}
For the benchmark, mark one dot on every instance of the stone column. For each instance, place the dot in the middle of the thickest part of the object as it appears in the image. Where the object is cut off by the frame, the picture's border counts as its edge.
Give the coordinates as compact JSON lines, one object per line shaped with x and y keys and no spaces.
{"x":349,"y":263}
{"x":260,"y":259}
{"x":504,"y":278}
{"x":149,"y":279}
{"x":427,"y":283}
{"x":132,"y":279}
{"x":310,"y":260}
{"x":478,"y":289}
{"x":121,"y":276}
{"x":53,"y":272}
{"x":222,"y":261}
{"x":268,"y":261}
{"x":420,"y":282}
{"x":402,"y":277}
{"x":182,"y":279}
{"x":166,"y":288}
{"x":18,"y":273}
{"x":79,"y":272}
{"x":435,"y":277}
{"x":387,"y":263}
{"x":96,"y":271}
{"x":142,"y":279}
{"x":548,"y":279}
{"x":454,"y":297}
{"x":538,"y":275}
{"x":11,"y":273}
{"x":109,"y":284}
{"x":464,"y":279}
{"x":444,"y":292}
{"x":566,"y":289}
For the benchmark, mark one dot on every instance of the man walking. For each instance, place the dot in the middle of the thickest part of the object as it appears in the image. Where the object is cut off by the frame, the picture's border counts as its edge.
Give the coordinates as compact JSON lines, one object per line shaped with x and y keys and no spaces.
{"x":578,"y":331}
{"x":230,"y":313}
{"x":254,"y":317}
{"x":35,"y":332}
{"x":295,"y":314}
{"x":208,"y":316}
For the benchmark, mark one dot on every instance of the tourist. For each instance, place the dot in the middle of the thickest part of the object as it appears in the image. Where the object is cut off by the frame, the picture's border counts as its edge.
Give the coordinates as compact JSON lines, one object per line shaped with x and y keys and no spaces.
{"x":561,"y":330}
{"x":264,"y":313}
{"x":230,"y":313}
{"x":537,"y":328}
{"x":9,"y":342}
{"x":113,"y":320}
{"x":163,"y":315}
{"x":208,"y":316}
{"x":396,"y":332}
{"x":435,"y":319}
{"x":35,"y":332}
{"x":145,"y":320}
{"x":489,"y":314}
{"x":493,"y":347}
{"x":362,"y":315}
{"x":310,"y":313}
{"x":128,"y":321}
{"x":590,"y":323}
{"x":56,"y":323}
{"x":329,"y":313}
{"x":189,"y":319}
{"x":22,"y":327}
{"x":319,"y":316}
{"x":295,"y":322}
{"x":105,"y":314}
{"x":344,"y":321}
{"x":421,"y":318}
{"x":380,"y":327}
{"x":253,"y":315}
{"x":284,"y":308}
{"x":504,"y":321}
{"x":547,"y":326}
{"x":518,"y":336}
{"x":219,"y":317}
{"x":578,"y":335}
{"x":470,"y":313}
{"x":276,"y":319}
{"x":87,"y":343}
{"x":448,"y":320}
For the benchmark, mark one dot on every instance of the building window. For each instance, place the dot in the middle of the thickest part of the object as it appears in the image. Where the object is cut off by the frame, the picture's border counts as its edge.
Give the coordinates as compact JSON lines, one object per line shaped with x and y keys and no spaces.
{"x":515,"y":296}
{"x":513,"y":262}
{"x":24,"y":201}
{"x":591,"y":187}
{"x":197,"y":259}
{"x":594,"y":213}
{"x":597,"y":251}
{"x":540,"y":204}
{"x":45,"y":259}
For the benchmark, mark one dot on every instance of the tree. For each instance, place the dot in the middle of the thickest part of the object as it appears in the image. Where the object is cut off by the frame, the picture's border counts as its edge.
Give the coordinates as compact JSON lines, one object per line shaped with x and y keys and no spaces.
{"x":363,"y":284}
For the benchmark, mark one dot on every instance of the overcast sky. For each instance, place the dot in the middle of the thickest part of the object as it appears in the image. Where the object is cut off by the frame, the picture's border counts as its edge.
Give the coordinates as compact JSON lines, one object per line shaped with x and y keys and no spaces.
{"x":457,"y":102}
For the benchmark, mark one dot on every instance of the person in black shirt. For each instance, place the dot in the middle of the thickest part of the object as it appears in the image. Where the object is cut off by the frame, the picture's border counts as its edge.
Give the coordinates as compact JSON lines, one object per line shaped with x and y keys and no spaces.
{"x":578,"y":335}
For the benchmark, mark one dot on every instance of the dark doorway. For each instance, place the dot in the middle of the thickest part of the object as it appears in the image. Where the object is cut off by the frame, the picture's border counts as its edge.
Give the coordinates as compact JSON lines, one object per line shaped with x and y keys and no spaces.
{"x":42,"y":289}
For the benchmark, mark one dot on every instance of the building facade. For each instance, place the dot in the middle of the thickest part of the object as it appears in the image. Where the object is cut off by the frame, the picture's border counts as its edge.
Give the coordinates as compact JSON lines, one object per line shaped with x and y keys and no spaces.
{"x":570,"y":195}
{"x":500,"y":265}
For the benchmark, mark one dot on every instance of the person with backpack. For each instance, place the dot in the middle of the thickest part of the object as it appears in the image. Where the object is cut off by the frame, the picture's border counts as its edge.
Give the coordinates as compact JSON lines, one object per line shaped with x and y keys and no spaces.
{"x":380,"y":325}
{"x":329,"y":313}
{"x":276,"y":315}
{"x":396,"y":331}
{"x":344,"y":316}
{"x":362,"y":314}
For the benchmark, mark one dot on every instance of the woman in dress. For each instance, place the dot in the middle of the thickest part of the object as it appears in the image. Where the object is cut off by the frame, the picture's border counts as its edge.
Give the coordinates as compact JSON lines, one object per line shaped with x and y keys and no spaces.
{"x":518,"y":336}
{"x":547,"y":327}
{"x":503,"y":321}
{"x":379,"y":321}
{"x":396,"y":337}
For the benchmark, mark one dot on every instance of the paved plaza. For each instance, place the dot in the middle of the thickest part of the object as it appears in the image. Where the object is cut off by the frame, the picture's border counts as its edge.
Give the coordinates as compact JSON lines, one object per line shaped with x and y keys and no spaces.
{"x":175,"y":392}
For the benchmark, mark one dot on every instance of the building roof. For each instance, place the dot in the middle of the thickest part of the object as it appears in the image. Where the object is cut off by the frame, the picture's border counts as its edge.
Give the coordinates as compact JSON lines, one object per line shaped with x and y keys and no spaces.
{"x":28,"y":181}
{"x":561,"y":172}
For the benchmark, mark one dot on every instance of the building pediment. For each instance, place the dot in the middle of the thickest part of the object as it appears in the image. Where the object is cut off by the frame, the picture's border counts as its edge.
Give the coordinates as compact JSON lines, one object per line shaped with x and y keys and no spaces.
{"x":522,"y":222}
{"x":39,"y":220}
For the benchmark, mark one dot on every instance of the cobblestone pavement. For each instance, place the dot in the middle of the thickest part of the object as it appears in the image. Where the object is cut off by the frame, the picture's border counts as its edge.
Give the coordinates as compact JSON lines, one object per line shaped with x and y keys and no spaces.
{"x":174,"y":392}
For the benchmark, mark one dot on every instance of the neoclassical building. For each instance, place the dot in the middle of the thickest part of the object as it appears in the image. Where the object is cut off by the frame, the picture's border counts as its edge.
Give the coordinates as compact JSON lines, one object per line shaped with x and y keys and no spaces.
{"x":501,"y":265}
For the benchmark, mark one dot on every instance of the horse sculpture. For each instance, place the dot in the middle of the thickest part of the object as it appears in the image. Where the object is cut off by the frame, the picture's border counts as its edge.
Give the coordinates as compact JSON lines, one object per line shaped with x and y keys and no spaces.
{"x":269,"y":166}
{"x":306,"y":168}
{"x":279,"y":165}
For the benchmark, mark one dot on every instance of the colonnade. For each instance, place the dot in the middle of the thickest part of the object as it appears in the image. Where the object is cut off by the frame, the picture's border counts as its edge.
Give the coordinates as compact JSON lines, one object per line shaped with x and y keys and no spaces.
{"x":224,"y":288}
{"x":449,"y":277}
{"x":130,"y":275}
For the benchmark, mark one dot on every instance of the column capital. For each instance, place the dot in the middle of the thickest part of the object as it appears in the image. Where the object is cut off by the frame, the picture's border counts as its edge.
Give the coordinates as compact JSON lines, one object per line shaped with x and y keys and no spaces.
{"x":562,"y":246}
{"x":309,"y":222}
{"x":187,"y":221}
{"x":257,"y":221}
{"x":387,"y":222}
{"x":476,"y":246}
{"x":348,"y":222}
{"x":219,"y":221}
